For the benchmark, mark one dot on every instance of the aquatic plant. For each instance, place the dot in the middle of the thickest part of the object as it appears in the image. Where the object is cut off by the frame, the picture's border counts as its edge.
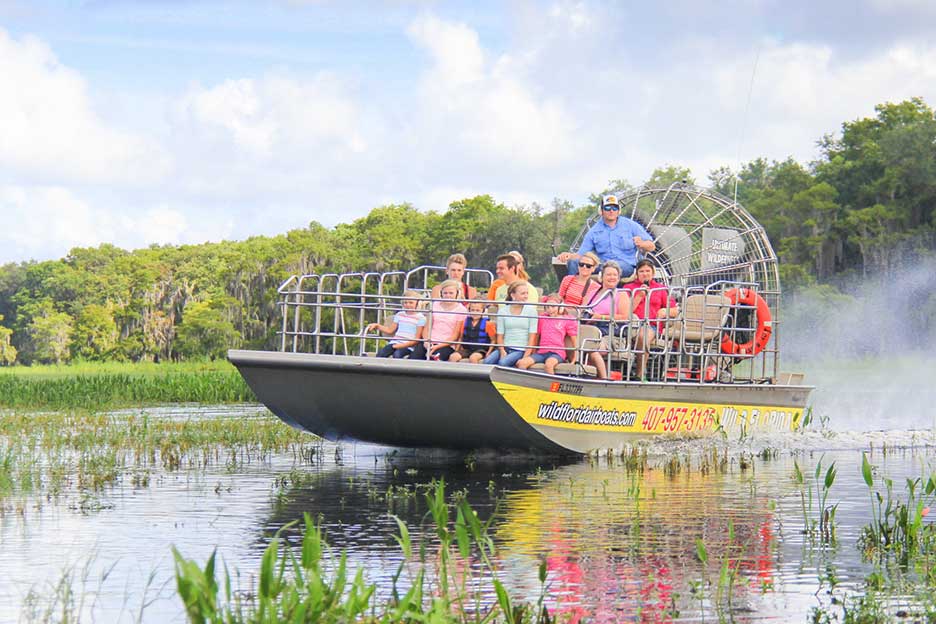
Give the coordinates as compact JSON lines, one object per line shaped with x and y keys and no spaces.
{"x":727,"y":576}
{"x":315,"y":585}
{"x":897,"y":526}
{"x":79,"y":453}
{"x":823,"y":526}
{"x":108,"y":387}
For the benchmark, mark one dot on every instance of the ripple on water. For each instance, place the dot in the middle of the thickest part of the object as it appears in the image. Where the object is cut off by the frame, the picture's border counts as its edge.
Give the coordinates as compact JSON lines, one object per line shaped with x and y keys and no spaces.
{"x":614,"y":541}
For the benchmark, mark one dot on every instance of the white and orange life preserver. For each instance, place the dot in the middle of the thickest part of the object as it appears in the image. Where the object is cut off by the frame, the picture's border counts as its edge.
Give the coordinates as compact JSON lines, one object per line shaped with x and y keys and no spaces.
{"x":761,"y":335}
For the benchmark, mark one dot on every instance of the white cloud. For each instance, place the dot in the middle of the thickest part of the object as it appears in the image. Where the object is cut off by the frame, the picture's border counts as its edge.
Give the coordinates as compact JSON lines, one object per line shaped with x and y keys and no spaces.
{"x":544,"y":108}
{"x":53,"y":218}
{"x":574,"y":14}
{"x":49,"y":129}
{"x":903,"y":7}
{"x":487,"y":108}
{"x":262,"y":118}
{"x":802,"y":92}
{"x":48,"y":216}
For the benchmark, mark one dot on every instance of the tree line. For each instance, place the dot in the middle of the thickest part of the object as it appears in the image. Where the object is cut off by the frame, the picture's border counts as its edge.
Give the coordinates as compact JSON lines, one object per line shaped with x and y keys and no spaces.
{"x":865,"y":207}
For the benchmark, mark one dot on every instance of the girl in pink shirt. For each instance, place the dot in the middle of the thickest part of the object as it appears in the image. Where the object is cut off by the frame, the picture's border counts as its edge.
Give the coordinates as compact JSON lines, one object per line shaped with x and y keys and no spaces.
{"x":555,"y":329}
{"x":447,"y":323}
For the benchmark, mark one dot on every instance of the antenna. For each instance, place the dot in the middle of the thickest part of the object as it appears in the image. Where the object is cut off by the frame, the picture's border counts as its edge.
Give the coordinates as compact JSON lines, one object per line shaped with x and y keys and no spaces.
{"x":747,"y":110}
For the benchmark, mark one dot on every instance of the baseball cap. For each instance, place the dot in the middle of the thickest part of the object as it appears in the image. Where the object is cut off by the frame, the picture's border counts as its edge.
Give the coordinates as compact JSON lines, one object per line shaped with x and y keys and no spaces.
{"x":610,"y":200}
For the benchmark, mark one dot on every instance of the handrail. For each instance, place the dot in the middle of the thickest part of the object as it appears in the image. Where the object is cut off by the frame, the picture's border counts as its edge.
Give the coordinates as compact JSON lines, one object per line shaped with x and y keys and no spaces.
{"x":328,"y":313}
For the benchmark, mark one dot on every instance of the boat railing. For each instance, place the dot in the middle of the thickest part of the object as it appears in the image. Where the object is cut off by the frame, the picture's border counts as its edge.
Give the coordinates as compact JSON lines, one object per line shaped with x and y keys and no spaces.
{"x":329,"y":313}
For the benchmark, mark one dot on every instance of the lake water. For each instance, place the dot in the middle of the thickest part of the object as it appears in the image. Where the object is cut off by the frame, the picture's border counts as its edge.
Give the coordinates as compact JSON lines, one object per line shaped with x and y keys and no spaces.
{"x":618,"y":544}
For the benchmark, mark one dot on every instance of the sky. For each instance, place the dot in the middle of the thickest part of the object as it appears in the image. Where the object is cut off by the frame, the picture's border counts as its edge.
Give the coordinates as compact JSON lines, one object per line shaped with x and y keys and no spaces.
{"x":182,"y":121}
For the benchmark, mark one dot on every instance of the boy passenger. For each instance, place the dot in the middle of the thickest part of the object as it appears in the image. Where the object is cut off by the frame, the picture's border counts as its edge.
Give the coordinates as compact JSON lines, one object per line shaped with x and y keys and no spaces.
{"x":508,"y":272}
{"x":455,"y":270}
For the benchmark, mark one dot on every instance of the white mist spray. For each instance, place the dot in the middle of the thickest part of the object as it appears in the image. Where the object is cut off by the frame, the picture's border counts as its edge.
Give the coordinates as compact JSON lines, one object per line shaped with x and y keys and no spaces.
{"x":871,"y":353}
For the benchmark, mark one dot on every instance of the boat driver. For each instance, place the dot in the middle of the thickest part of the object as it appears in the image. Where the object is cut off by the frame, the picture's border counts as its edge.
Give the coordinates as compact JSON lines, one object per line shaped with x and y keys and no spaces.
{"x":613,"y":238}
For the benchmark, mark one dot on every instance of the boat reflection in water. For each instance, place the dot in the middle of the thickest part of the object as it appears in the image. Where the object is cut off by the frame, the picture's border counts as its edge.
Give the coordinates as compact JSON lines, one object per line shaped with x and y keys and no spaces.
{"x":617,"y":542}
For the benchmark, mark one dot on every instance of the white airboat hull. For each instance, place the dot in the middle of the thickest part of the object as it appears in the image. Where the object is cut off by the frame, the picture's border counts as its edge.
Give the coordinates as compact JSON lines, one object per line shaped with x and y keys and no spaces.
{"x":464,"y":406}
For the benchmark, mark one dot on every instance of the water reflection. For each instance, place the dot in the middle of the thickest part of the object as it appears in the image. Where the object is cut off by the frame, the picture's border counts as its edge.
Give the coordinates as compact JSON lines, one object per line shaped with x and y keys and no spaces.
{"x":620,"y":539}
{"x":619,"y":543}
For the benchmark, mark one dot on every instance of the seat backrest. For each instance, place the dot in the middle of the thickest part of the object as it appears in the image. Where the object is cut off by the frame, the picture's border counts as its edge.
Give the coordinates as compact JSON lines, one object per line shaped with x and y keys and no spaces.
{"x":588,"y":338}
{"x":704,"y":315}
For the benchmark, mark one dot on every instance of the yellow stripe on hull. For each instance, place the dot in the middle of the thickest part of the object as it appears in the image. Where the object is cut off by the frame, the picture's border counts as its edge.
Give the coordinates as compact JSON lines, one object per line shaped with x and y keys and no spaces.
{"x":558,"y":408}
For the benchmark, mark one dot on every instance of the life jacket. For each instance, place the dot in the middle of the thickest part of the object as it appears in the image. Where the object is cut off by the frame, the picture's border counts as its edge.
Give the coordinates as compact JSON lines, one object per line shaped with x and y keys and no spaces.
{"x":476,"y":334}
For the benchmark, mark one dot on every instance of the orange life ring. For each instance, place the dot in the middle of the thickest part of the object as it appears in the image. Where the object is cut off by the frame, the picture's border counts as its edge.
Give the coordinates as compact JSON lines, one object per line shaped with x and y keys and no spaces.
{"x":761,"y":336}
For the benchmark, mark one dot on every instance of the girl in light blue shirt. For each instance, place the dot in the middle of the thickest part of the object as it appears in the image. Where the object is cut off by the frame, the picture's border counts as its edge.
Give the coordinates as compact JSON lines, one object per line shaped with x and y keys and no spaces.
{"x":516,"y":327}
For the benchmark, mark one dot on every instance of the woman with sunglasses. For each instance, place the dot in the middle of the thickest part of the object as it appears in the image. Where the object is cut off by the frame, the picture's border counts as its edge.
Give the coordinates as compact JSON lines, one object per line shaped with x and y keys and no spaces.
{"x":610,"y":301}
{"x":575,"y":289}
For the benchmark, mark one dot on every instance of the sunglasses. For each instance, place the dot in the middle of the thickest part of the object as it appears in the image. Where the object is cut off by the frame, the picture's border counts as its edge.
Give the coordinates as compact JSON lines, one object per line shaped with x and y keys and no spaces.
{"x":587,"y":266}
{"x":611,"y":208}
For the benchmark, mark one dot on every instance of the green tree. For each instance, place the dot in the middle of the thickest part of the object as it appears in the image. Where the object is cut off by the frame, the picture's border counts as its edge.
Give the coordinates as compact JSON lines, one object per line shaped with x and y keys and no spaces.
{"x":205,"y":332}
{"x":50,"y":335}
{"x":388,"y":238}
{"x":464,"y":228}
{"x":7,"y":350}
{"x":884,"y":169}
{"x":95,"y":332}
{"x":662,"y":177}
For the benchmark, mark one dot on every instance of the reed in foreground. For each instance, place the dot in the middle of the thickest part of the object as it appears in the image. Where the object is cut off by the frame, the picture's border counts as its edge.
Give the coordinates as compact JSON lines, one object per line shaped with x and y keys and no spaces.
{"x":315,"y":586}
{"x":113,"y":387}
{"x":59,"y":454}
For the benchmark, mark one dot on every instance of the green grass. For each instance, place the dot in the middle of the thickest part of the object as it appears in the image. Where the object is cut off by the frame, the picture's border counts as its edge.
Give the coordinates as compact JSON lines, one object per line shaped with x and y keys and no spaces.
{"x":101,"y":386}
{"x":97,"y":368}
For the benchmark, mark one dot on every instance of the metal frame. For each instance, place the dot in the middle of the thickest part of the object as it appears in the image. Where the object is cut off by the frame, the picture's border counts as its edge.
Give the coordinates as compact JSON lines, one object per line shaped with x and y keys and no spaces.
{"x":346,"y":302}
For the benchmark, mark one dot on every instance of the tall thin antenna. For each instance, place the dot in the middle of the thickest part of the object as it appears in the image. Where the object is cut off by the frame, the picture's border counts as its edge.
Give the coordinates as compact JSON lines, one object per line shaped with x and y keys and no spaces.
{"x":747,"y":110}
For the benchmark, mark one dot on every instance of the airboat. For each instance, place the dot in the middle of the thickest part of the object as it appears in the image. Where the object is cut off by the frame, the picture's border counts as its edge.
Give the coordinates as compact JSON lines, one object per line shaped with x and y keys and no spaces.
{"x":714,"y":367}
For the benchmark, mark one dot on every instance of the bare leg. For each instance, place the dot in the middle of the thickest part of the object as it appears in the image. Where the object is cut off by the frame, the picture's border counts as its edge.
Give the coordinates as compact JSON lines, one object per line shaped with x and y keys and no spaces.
{"x":525,"y":363}
{"x":550,"y":365}
{"x":476,"y":357}
{"x":455,"y":357}
{"x":644,"y":339}
{"x":598,"y":362}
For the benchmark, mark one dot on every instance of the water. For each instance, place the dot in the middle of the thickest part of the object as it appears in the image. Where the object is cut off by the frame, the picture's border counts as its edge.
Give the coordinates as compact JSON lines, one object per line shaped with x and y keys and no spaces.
{"x":617,"y":544}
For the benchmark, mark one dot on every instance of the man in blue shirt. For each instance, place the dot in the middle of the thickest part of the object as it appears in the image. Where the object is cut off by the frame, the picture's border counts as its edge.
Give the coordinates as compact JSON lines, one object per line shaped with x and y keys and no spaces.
{"x":612,"y":238}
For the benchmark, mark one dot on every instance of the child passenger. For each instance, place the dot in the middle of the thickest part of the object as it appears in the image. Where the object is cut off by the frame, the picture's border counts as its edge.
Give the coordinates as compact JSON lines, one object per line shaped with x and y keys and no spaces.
{"x":445,"y":330}
{"x":479,"y":331}
{"x":406,"y":328}
{"x":555,"y":329}
{"x":516,"y":327}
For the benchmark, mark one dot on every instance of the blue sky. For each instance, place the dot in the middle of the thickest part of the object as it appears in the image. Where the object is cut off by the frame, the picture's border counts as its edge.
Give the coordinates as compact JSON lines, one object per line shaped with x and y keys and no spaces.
{"x":179,"y":122}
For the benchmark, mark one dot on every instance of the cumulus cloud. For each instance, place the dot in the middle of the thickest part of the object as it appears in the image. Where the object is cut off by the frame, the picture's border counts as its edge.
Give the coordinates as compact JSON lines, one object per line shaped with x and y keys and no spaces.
{"x":49,"y":128}
{"x":261,"y":117}
{"x":485,"y":105}
{"x":54,"y":217}
{"x":273,"y":139}
{"x":566,"y":97}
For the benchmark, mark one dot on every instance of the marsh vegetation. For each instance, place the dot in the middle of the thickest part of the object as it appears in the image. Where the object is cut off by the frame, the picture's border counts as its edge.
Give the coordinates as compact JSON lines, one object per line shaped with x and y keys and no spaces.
{"x":264,"y":520}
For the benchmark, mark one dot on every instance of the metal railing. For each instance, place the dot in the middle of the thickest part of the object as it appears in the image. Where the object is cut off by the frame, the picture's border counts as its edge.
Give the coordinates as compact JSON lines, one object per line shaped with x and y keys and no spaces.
{"x":329,"y":314}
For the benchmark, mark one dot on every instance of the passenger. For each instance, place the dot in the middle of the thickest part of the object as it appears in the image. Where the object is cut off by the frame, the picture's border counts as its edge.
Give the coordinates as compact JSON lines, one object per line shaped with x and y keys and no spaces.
{"x":516,"y":326}
{"x":479,"y":333}
{"x":557,"y":331}
{"x":406,"y":329}
{"x":521,"y":273}
{"x":445,"y":330}
{"x":507,"y":269}
{"x":612,"y":238}
{"x":521,"y":265}
{"x":455,"y":269}
{"x":575,"y":289}
{"x":649,"y":300}
{"x":600,"y":315}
